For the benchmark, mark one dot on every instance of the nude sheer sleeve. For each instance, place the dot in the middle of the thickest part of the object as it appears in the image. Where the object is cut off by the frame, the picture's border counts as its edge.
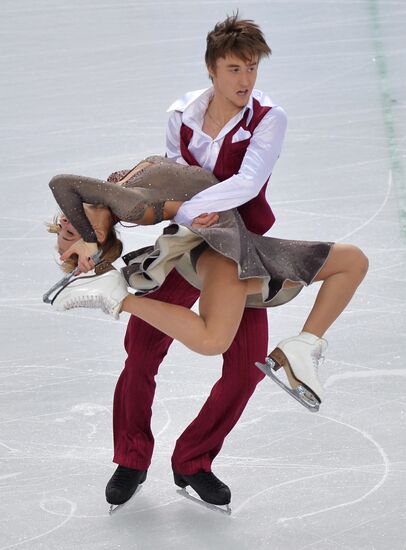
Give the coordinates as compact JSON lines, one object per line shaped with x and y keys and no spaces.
{"x":71,"y":192}
{"x":159,"y":181}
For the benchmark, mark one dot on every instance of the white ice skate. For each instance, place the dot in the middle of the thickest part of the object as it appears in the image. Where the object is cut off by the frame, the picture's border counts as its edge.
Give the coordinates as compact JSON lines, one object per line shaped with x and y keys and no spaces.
{"x":105,"y":292}
{"x":300,"y":357}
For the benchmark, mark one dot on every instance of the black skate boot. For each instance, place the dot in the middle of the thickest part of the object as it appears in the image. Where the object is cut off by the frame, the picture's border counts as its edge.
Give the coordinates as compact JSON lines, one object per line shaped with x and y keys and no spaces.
{"x":123,"y":484}
{"x":207,"y":486}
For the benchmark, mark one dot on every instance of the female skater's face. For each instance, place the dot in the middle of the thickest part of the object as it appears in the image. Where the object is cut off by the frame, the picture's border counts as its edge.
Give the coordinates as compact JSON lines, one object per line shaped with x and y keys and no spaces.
{"x":98,"y":216}
{"x":67,"y":234}
{"x":234,"y":79}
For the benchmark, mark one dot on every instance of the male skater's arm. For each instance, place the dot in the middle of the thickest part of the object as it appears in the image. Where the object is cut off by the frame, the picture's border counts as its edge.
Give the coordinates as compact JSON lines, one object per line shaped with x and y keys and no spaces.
{"x":258,"y":163}
{"x":173,"y":152}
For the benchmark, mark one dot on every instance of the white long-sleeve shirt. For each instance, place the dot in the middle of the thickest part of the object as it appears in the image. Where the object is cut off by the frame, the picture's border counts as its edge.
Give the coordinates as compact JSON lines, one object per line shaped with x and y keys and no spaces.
{"x":257,"y":165}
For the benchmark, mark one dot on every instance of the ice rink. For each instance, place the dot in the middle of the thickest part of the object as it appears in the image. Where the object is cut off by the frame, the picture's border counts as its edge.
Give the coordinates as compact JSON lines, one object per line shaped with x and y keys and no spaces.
{"x":85,"y":88}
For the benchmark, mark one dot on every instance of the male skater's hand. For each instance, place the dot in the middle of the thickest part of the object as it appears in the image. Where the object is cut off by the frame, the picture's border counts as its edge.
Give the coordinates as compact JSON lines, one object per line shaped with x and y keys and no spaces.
{"x":205,"y":220}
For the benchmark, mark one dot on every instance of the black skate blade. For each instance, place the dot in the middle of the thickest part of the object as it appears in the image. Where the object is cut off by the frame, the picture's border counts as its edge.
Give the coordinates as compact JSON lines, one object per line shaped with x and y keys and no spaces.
{"x":302,"y":393}
{"x":116,"y":507}
{"x":213,"y":507}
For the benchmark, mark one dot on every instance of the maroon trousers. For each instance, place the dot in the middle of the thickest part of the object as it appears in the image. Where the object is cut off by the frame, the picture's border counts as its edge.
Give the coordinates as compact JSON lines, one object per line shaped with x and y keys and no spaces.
{"x":146,"y":348}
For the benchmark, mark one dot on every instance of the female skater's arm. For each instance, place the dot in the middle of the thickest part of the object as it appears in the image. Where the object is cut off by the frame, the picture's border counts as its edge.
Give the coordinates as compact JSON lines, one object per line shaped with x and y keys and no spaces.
{"x":154,"y":191}
{"x":71,"y":192}
{"x":153,"y":194}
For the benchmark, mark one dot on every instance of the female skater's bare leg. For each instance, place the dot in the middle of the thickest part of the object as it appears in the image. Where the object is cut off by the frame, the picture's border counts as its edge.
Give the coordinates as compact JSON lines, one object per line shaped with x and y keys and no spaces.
{"x":343,"y":271}
{"x":221,"y":306}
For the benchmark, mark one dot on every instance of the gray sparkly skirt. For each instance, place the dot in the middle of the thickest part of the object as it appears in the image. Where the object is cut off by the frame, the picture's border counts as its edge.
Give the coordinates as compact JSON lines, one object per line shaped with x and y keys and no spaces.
{"x":268,"y":258}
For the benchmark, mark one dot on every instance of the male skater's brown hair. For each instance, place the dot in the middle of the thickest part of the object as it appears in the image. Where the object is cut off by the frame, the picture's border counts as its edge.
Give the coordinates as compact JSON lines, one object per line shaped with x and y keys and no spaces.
{"x":240,"y":37}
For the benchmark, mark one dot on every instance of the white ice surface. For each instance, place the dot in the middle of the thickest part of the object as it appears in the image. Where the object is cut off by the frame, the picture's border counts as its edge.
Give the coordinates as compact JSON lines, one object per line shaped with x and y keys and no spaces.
{"x":85,"y":86}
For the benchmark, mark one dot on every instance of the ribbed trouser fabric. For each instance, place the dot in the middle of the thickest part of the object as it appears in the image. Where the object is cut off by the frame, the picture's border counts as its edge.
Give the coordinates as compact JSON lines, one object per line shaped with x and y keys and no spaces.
{"x":146,"y":348}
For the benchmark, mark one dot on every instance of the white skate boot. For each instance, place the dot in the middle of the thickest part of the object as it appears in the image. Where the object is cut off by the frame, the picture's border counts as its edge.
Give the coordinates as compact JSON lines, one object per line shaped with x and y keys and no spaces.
{"x":106,"y":292}
{"x":300,"y":356}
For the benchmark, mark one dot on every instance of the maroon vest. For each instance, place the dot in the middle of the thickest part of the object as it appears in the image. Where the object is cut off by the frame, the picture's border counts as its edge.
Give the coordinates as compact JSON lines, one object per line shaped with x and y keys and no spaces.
{"x":256,"y":213}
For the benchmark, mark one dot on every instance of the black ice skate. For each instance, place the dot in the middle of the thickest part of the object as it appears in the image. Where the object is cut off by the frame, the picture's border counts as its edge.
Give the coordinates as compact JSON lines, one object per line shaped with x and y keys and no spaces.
{"x":123,"y":485}
{"x":213,"y":492}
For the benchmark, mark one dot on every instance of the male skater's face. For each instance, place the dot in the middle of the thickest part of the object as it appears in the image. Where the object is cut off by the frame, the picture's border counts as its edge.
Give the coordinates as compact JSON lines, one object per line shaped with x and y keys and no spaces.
{"x":234,"y":79}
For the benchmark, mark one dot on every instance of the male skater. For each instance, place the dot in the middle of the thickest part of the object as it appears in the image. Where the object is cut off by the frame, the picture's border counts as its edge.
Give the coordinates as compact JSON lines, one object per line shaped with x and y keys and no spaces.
{"x":235,"y":132}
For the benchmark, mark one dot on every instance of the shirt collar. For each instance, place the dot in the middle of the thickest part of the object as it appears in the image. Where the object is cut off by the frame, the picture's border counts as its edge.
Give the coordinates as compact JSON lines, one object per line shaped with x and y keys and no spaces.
{"x":193,"y":105}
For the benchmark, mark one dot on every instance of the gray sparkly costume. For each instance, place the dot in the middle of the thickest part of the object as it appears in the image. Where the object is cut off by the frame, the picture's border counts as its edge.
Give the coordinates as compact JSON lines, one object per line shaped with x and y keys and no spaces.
{"x":271,"y":259}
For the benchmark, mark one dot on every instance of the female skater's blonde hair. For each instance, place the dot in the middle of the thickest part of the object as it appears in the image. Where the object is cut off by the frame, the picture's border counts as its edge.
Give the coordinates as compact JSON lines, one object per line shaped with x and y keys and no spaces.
{"x":112,"y":247}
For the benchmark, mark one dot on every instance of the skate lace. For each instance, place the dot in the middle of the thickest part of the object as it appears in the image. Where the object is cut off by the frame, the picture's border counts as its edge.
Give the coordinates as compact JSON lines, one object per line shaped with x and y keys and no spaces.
{"x":89,"y":301}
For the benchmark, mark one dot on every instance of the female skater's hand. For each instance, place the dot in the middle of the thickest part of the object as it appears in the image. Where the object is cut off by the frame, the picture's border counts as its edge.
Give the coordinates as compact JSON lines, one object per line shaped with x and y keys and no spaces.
{"x":84,"y":252}
{"x":205,"y":220}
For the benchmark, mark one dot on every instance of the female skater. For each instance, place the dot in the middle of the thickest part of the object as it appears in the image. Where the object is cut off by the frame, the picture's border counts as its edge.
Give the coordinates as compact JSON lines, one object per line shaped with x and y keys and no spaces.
{"x":233,"y":267}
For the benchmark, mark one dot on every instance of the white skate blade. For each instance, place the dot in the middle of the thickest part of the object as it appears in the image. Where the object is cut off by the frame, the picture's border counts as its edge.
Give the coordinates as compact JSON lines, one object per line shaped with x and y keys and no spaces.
{"x":214,"y":507}
{"x":302,"y":394}
{"x":116,"y":507}
{"x":49,"y":296}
